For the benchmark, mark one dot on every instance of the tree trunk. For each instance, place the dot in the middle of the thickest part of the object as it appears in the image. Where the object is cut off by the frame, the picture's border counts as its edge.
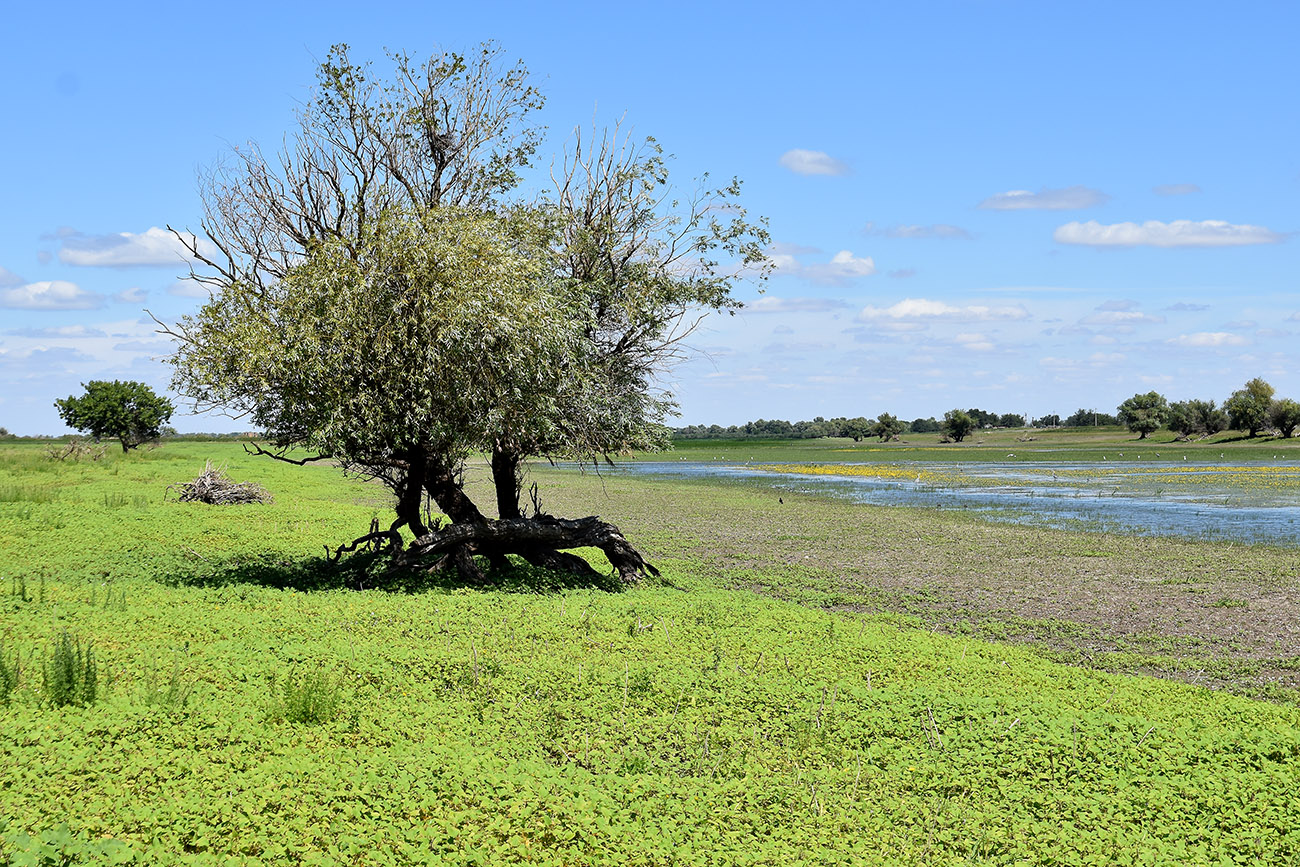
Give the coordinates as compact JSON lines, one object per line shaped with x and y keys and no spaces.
{"x":507,"y":478}
{"x":539,"y":540}
{"x":445,"y":489}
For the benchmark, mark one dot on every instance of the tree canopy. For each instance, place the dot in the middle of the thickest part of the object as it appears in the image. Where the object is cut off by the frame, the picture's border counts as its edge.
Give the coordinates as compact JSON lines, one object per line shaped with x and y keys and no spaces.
{"x":383,"y":297}
{"x":1144,"y":413}
{"x":130,"y":411}
{"x":1248,"y":406}
{"x":957,"y":424}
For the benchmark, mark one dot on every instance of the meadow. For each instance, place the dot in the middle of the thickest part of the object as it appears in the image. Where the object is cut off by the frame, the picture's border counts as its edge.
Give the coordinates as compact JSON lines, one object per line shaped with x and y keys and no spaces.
{"x":811,"y":682}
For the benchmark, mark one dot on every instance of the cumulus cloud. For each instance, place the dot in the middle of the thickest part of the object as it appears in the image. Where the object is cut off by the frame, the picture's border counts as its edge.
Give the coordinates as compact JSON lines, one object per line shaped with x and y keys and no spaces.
{"x":843,"y":268}
{"x":940,"y":231}
{"x":154,"y":246}
{"x":769,"y":304}
{"x":1067,"y":199}
{"x":1120,"y":317}
{"x":922,"y":309}
{"x":189,"y":289}
{"x":1153,"y":233}
{"x":134,"y":295}
{"x":805,"y":162}
{"x":50,"y":295}
{"x":1175,"y":189}
{"x":973,"y":341}
{"x":1209,"y":338}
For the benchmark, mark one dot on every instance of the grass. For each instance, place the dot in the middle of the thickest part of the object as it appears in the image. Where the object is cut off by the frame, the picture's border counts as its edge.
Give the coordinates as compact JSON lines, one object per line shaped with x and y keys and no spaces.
{"x":692,"y":721}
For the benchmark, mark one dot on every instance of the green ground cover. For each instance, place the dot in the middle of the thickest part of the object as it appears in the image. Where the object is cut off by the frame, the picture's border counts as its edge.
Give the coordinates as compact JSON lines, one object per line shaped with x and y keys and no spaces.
{"x":252,"y":705}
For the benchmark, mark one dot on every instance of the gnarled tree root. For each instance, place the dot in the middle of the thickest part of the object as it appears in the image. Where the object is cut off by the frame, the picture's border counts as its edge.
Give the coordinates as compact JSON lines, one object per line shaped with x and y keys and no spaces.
{"x":540,"y":540}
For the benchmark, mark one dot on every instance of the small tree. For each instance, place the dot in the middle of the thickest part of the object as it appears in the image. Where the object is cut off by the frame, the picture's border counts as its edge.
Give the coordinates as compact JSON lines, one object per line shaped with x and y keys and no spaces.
{"x":957,"y":424}
{"x":1285,"y":416}
{"x":1011,"y":419}
{"x":925,"y":425}
{"x":1248,"y":407}
{"x":886,"y":427}
{"x":1144,"y":413}
{"x":129,"y":411}
{"x":1187,"y":417}
{"x":856,"y":428}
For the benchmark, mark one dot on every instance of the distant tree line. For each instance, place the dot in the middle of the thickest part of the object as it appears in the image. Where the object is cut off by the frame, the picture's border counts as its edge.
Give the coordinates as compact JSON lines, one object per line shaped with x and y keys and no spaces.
{"x":1252,"y":409}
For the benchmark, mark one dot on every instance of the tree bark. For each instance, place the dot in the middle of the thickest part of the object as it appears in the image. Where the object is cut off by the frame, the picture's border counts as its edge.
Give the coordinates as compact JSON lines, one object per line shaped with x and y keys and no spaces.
{"x":540,"y":540}
{"x":507,"y":478}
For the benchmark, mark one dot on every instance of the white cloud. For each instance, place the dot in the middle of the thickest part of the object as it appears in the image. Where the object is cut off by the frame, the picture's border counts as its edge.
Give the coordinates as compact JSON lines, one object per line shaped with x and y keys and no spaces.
{"x":1209,"y":338}
{"x":1175,"y":189}
{"x":9,"y":278}
{"x":914,"y":309}
{"x":1153,"y":233}
{"x":940,"y":231}
{"x":1121,"y":317}
{"x":843,"y":268}
{"x":134,"y":295}
{"x":1187,"y":307}
{"x":154,"y":246}
{"x":1067,"y":199}
{"x":902,"y":273}
{"x":50,"y":295}
{"x":805,"y":162}
{"x":189,"y":289}
{"x":769,"y":304}
{"x":973,"y":341}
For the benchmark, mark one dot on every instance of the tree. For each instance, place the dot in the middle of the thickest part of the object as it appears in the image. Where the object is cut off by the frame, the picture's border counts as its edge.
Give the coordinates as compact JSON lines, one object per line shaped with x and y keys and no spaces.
{"x":130,"y":411}
{"x":956,"y":425}
{"x":1089,"y":418}
{"x":1144,"y":413}
{"x":1284,"y":414}
{"x":1011,"y":419}
{"x":1248,"y":407}
{"x":1052,"y":420}
{"x":886,"y":427}
{"x":925,"y":425}
{"x":380,"y":299}
{"x":1187,"y":417}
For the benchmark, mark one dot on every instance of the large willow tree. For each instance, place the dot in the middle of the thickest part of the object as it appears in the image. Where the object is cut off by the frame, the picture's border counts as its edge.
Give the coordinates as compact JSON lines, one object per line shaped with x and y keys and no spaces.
{"x":381,"y":296}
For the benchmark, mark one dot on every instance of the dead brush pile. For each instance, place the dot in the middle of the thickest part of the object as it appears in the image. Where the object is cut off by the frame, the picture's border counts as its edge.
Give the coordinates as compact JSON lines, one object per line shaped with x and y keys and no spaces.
{"x":215,"y":488}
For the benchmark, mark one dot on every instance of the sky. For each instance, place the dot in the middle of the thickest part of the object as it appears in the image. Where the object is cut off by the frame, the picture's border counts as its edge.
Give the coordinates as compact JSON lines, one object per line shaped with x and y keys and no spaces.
{"x":1022,"y":207}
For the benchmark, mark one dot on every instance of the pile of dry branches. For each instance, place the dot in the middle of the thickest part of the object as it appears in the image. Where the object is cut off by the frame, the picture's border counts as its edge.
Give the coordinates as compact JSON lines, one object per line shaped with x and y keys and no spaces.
{"x":215,"y":488}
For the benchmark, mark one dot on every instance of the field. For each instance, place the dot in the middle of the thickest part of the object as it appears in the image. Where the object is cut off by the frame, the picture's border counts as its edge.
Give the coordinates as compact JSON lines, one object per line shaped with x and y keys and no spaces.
{"x":811,"y":682}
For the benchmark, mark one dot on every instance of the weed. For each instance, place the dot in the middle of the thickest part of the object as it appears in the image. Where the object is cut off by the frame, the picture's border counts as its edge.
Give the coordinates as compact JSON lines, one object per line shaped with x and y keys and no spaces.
{"x":309,"y":699}
{"x":9,"y":672}
{"x":70,"y":673}
{"x":172,"y":693}
{"x":1228,"y":602}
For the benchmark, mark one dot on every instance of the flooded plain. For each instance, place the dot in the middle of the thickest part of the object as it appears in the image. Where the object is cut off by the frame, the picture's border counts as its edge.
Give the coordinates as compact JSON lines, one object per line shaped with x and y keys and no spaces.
{"x":1257,"y":502}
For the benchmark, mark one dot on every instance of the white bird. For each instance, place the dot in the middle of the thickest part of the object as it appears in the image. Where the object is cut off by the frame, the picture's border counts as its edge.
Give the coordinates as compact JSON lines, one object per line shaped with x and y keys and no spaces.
{"x":1011,"y":456}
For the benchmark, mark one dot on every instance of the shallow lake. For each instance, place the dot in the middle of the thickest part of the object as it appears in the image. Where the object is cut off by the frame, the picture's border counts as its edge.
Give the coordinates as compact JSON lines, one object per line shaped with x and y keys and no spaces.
{"x":1256,"y":503}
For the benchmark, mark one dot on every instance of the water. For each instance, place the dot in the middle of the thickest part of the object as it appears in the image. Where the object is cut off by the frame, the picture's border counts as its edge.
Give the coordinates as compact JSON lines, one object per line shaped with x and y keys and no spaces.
{"x":1259,"y":503}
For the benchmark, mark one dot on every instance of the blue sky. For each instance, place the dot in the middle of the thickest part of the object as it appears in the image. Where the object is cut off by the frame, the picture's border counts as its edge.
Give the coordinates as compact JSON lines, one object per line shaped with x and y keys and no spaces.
{"x":1022,"y":207}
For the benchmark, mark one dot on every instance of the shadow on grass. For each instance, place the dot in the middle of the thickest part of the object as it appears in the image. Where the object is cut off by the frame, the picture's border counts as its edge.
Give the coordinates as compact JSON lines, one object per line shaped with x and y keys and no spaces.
{"x":372,"y":571}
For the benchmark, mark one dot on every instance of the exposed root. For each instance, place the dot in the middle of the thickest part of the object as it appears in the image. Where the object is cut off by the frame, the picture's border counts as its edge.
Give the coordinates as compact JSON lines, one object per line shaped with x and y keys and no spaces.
{"x":540,"y":540}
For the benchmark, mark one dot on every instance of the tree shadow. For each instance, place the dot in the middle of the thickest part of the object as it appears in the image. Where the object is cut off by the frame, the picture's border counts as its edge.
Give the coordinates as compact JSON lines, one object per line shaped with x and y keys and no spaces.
{"x":374,"y":571}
